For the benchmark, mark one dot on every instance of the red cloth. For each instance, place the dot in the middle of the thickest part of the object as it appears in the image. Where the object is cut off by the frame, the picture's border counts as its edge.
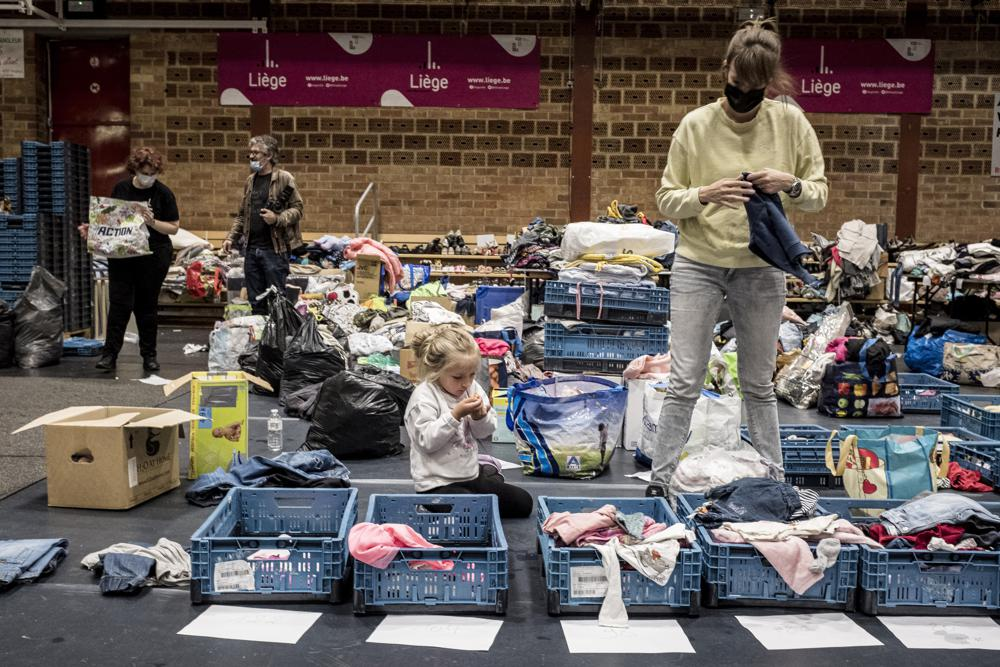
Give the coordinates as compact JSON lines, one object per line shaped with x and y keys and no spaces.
{"x":195,"y":286}
{"x":493,"y":348}
{"x":947,"y":532}
{"x":964,"y":479}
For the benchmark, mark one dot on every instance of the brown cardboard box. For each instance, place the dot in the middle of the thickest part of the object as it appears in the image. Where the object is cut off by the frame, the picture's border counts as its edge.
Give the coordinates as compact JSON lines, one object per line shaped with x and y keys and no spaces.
{"x":878,"y":292}
{"x":367,"y":276}
{"x":110,"y":457}
{"x":412,"y":329}
{"x":408,"y":364}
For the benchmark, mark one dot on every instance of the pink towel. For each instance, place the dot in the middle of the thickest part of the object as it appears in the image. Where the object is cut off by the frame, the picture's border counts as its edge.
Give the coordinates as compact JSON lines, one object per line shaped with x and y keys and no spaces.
{"x":378,"y":544}
{"x":493,"y":348}
{"x":605,"y":535}
{"x":570,"y":526}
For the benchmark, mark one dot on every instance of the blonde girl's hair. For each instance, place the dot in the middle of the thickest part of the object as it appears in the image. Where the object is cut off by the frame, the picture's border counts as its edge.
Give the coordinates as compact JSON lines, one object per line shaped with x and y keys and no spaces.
{"x":441,"y":345}
{"x":755,"y":54}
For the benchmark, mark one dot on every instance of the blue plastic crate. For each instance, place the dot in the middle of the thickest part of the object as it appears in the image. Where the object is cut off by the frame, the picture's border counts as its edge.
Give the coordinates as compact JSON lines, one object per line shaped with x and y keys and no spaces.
{"x":595,"y":344}
{"x":10,"y":297}
{"x":489,"y":297}
{"x":562,"y":566}
{"x":25,"y":222}
{"x":468,"y":530}
{"x":76,"y":346}
{"x":607,"y":303}
{"x":312,"y":524}
{"x":16,"y":272}
{"x":738,"y":574}
{"x":968,"y":411}
{"x":908,"y":580}
{"x":920,"y":392}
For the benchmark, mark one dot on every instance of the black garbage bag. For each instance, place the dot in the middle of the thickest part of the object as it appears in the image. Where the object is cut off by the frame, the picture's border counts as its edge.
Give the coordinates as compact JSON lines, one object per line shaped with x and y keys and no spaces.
{"x":282,"y":323}
{"x":308,"y":360}
{"x":6,"y":335}
{"x":358,"y":414}
{"x":248,"y":360}
{"x":38,"y":321}
{"x":302,"y":403}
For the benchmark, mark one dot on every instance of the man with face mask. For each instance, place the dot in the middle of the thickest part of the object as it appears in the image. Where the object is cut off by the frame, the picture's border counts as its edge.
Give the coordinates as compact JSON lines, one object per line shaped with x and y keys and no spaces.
{"x":269,"y":217}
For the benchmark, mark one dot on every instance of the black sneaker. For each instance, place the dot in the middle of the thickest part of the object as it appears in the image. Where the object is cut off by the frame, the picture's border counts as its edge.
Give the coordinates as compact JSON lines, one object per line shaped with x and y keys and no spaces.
{"x":107,"y":363}
{"x":150,"y":364}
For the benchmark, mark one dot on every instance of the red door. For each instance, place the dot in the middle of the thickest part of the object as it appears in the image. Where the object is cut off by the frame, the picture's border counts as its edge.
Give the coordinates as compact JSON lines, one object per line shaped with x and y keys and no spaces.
{"x":90,"y":103}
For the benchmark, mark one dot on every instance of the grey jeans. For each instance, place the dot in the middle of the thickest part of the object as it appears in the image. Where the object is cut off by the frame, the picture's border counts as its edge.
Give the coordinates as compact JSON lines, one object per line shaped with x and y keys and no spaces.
{"x":755,"y":298}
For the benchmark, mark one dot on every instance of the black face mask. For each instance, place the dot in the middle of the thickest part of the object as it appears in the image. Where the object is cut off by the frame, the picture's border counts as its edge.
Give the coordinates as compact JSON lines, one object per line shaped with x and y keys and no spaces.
{"x":741,"y":102}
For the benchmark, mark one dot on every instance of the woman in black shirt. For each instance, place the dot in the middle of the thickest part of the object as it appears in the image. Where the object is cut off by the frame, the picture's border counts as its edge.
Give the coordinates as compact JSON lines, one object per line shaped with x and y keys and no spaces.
{"x":134,"y":282}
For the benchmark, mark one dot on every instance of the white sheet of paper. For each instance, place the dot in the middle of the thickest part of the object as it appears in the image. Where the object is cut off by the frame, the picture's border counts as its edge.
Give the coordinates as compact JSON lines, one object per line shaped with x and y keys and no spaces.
{"x":962,"y":632}
{"x":155,"y":380}
{"x":641,"y":636}
{"x":644,"y":476}
{"x":791,"y":631}
{"x":462,"y":633}
{"x":507,"y":465}
{"x":251,"y":624}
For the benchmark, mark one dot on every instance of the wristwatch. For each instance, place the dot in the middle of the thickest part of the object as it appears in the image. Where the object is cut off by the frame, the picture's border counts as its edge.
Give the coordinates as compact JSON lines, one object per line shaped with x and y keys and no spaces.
{"x":796,"y":188}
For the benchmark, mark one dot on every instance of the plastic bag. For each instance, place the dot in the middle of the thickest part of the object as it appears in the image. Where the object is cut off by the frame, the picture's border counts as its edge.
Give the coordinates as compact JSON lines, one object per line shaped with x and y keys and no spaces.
{"x":302,"y":403}
{"x":282,"y":323}
{"x":967,"y":363}
{"x":925,"y":353}
{"x":118,"y":228}
{"x":584,"y":238}
{"x":790,"y":337}
{"x":308,"y":360}
{"x":225,"y":345}
{"x":798,"y":382}
{"x":358,"y":414}
{"x":6,"y":335}
{"x":364,"y":344}
{"x":714,"y":466}
{"x":566,"y":426}
{"x":38,"y":323}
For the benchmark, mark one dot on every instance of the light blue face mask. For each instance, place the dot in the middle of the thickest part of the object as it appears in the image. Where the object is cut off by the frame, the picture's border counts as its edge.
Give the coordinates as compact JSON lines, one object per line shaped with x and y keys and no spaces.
{"x":145,"y":180}
{"x":256,"y":166}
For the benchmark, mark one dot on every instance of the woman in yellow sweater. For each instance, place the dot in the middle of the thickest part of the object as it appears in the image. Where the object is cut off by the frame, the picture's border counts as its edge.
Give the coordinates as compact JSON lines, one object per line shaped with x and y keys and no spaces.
{"x":702,"y":192}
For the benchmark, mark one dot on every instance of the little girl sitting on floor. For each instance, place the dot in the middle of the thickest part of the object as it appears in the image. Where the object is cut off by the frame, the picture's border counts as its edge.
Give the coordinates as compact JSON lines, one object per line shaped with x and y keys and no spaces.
{"x":448,"y":414}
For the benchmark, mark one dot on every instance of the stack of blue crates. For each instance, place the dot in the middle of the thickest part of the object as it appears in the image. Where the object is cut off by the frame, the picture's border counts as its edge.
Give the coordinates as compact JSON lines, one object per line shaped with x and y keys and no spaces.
{"x":48,"y":188}
{"x":622,"y":322}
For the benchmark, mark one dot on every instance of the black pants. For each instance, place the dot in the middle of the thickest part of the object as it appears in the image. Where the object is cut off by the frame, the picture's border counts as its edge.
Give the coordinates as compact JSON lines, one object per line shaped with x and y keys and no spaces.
{"x":134,"y":287}
{"x":515,"y":502}
{"x":263,"y":267}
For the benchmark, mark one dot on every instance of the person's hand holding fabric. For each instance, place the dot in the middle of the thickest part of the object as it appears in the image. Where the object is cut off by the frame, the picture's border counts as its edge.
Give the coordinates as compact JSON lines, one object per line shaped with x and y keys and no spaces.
{"x":731,"y":192}
{"x":771,"y":181}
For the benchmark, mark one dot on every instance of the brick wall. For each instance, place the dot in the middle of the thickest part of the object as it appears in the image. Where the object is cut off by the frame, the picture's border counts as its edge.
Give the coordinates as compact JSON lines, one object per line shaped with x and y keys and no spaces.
{"x":494,"y":170}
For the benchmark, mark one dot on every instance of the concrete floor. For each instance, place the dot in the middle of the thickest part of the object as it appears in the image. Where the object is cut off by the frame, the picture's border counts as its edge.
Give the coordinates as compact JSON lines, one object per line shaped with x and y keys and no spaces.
{"x":64,"y":619}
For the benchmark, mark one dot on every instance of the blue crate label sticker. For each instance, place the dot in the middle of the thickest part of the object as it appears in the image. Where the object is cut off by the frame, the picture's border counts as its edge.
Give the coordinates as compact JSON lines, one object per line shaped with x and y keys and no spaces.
{"x":233,"y":575}
{"x":270,"y":554}
{"x":573,"y":463}
{"x":587,"y":582}
{"x":206,"y":417}
{"x":928,"y":392}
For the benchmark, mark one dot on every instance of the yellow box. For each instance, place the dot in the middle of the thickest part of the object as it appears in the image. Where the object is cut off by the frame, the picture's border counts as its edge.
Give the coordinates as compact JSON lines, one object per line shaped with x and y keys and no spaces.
{"x":220,"y":400}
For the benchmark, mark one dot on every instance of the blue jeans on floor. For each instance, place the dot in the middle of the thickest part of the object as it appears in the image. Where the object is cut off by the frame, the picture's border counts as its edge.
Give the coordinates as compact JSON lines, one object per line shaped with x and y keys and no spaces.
{"x":263,"y":268}
{"x":25,"y":560}
{"x":756,"y":297}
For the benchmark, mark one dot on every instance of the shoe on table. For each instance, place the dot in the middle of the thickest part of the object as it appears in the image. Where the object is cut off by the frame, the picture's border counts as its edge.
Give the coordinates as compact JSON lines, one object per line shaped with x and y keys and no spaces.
{"x":107,"y":363}
{"x":150,"y":364}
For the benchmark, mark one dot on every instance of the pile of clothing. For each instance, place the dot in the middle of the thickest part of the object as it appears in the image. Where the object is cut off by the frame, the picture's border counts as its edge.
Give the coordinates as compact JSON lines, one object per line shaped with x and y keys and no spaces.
{"x":615,"y":270}
{"x":537,"y":247}
{"x":937,"y":522}
{"x":853,"y":261}
{"x":649,"y":547}
{"x":27,"y":560}
{"x":799,"y":378}
{"x":783,"y":523}
{"x":128,"y":568}
{"x":326,"y":251}
{"x":623,"y":214}
{"x":290,"y":470}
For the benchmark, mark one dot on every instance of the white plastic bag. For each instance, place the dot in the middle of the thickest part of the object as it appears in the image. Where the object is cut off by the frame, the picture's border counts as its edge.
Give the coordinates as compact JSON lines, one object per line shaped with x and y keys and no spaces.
{"x":118,"y":228}
{"x":367,"y":344}
{"x":585,"y":238}
{"x":225,"y":345}
{"x":715,"y":421}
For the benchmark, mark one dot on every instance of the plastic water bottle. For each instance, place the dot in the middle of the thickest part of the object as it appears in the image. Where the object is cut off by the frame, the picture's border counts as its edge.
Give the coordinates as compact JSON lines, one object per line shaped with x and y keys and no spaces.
{"x":274,"y":436}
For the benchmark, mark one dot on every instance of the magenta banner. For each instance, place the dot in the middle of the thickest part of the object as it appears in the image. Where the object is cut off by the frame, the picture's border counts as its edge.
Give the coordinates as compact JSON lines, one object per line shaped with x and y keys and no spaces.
{"x":366,"y":70}
{"x":863,"y":75}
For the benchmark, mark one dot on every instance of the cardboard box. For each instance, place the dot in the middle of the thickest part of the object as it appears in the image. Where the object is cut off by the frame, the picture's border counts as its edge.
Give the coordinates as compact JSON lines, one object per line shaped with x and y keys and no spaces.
{"x":220,"y":427}
{"x":110,"y":457}
{"x":502,"y":435}
{"x":412,"y":329}
{"x":408,"y":364}
{"x":367,"y":276}
{"x":878,"y":293}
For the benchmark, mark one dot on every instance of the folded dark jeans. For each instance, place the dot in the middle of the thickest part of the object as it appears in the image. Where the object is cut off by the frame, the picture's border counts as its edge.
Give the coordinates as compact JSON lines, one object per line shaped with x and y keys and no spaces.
{"x":125,"y":573}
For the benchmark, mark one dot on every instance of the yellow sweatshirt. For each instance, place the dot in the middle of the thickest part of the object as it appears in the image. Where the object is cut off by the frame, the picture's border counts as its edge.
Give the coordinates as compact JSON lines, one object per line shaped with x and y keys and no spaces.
{"x":707,"y":146}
